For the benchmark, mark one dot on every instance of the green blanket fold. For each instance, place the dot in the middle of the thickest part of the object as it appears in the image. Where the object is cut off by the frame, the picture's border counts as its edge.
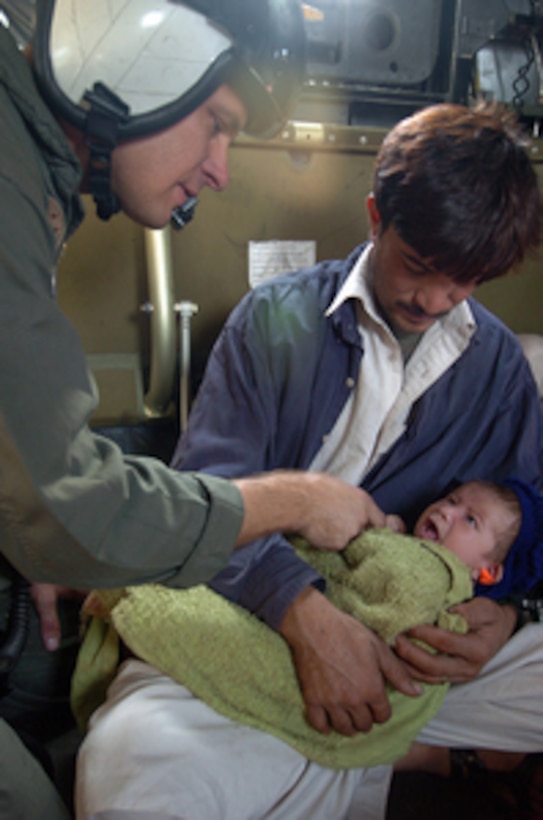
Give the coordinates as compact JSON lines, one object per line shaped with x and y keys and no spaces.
{"x":243,"y":669}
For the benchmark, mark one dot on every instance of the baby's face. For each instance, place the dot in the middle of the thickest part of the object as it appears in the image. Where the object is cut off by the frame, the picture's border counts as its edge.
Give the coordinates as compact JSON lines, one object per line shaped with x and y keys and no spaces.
{"x":467,"y":522}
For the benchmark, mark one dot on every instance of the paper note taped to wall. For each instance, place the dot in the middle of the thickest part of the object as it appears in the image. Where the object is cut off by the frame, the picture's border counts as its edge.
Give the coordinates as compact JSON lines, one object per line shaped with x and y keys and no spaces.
{"x":277,"y":256}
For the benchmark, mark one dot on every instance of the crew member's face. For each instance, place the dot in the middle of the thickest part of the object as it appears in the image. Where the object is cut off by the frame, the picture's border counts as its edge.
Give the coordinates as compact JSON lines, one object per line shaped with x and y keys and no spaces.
{"x":468,"y":522}
{"x":410,"y":293}
{"x":154,"y":175}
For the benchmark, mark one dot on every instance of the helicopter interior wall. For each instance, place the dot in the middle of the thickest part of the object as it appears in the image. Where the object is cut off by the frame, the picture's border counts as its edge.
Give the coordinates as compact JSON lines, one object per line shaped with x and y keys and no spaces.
{"x":276,"y":192}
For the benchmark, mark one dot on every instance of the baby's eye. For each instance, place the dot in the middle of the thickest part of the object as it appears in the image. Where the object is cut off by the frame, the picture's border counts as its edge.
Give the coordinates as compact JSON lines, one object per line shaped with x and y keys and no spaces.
{"x":471,"y":521}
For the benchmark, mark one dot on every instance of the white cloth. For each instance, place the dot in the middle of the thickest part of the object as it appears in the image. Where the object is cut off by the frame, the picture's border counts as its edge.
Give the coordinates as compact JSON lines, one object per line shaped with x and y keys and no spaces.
{"x":503,"y":707}
{"x":377,"y":411}
{"x":154,"y":748}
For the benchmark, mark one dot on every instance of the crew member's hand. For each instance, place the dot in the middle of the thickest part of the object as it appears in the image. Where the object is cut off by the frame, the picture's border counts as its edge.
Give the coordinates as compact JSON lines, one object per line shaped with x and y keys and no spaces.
{"x":459,"y":658}
{"x":342,"y":666}
{"x":325,"y":510}
{"x":339,"y":512}
{"x":45,"y":597}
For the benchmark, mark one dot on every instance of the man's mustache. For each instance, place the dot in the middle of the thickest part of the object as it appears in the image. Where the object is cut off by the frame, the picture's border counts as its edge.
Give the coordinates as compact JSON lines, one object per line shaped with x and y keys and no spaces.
{"x":420,"y":313}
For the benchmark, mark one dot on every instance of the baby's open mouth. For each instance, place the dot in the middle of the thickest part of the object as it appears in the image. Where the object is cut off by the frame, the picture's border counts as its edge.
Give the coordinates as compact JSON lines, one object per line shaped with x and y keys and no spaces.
{"x":428,"y":531}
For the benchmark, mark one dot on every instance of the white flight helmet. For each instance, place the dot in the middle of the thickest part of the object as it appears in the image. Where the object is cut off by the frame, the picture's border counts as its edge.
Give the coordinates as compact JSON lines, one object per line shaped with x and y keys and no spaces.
{"x":119,"y":69}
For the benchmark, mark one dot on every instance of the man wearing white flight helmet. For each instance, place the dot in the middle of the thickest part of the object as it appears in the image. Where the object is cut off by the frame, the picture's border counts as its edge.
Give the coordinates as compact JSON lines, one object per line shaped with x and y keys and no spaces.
{"x":120,"y":72}
{"x":135,"y":102}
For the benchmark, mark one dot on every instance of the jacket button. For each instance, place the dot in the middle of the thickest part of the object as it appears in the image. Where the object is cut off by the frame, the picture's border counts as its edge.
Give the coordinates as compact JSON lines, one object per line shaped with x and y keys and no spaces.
{"x":349,"y":382}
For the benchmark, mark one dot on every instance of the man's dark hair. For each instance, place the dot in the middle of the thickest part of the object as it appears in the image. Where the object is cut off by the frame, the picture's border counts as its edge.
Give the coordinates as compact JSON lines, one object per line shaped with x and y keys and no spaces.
{"x":458,"y":186}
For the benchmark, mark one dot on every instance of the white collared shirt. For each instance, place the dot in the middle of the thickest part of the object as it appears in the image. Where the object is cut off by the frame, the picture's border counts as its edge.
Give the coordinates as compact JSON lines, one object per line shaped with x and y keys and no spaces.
{"x":376,"y":414}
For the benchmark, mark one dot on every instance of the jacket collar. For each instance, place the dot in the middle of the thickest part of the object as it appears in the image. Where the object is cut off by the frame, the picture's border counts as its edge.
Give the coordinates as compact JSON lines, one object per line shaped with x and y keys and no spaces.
{"x":62,"y":165}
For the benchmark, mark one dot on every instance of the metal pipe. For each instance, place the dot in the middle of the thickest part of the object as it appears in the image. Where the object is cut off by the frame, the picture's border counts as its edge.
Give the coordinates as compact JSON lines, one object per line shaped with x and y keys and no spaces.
{"x":186,"y":311}
{"x":162,"y":322}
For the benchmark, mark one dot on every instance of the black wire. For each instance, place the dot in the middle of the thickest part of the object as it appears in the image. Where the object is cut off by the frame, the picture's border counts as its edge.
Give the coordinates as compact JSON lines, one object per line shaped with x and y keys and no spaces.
{"x":14,"y":639}
{"x":521,"y":84}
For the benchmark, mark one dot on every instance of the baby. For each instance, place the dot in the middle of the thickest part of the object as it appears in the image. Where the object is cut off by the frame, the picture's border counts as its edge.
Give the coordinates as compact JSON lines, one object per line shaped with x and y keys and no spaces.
{"x":495,"y":529}
{"x":481,"y":532}
{"x":478,"y":522}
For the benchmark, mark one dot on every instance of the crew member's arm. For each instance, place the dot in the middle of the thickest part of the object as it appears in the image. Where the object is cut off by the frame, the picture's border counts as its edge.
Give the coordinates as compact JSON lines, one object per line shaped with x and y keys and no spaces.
{"x":326,"y":511}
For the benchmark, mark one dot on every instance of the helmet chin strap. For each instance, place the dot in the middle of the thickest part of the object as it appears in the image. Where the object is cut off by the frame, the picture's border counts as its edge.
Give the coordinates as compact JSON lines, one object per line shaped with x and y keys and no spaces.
{"x":106,"y":112}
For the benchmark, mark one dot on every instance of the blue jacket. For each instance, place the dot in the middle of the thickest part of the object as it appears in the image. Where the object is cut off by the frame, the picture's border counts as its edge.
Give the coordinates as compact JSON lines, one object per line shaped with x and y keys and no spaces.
{"x":277,"y":380}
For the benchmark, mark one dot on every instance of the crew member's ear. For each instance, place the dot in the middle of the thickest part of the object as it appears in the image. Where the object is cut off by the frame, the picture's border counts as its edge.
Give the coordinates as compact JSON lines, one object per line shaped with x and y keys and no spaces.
{"x":490,"y":575}
{"x":374,"y":216}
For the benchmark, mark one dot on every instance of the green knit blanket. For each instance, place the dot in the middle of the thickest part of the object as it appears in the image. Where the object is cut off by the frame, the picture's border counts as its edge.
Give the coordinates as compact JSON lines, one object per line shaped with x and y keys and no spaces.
{"x":244,"y":670}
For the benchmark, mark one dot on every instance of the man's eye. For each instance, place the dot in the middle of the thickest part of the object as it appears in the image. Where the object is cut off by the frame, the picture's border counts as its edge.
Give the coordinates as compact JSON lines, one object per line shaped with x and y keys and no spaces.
{"x":416,"y":272}
{"x":217,"y":126}
{"x":451,"y":500}
{"x":413,"y":268}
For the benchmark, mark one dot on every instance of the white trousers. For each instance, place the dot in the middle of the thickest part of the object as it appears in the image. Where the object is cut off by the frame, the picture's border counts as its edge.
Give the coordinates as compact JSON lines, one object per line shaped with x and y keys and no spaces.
{"x":502,"y":708}
{"x":154,"y":751}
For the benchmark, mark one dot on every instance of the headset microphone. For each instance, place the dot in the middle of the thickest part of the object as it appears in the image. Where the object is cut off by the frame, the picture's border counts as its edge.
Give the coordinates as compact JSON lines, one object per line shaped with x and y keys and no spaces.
{"x":182,"y":215}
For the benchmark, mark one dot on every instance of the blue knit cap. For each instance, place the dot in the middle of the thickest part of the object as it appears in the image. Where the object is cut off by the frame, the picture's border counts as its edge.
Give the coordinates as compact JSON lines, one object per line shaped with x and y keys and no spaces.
{"x":523,"y":567}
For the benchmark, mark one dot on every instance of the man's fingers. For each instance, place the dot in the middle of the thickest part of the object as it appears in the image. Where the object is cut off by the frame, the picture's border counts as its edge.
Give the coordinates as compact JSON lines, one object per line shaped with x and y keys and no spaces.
{"x":318,"y":719}
{"x":398,"y":675}
{"x":442,"y":640}
{"x":432,"y":668}
{"x":416,"y":657}
{"x":353,"y":717}
{"x":463,"y":655}
{"x":345,"y":721}
{"x":380,"y":711}
{"x":45,"y":597}
{"x":375,"y":515}
{"x":342,"y":721}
